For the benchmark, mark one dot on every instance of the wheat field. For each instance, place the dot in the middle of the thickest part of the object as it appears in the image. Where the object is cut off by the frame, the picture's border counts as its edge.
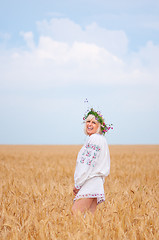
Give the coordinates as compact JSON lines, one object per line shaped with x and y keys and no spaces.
{"x":36,"y":196}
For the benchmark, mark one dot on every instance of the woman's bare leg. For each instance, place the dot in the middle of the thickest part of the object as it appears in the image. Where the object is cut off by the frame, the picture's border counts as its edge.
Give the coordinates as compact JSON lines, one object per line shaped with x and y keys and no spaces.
{"x":84,"y":204}
{"x":93,"y":206}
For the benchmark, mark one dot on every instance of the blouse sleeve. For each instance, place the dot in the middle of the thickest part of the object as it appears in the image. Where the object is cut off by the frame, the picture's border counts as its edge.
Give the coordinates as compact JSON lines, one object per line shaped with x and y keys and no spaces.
{"x":86,"y":161}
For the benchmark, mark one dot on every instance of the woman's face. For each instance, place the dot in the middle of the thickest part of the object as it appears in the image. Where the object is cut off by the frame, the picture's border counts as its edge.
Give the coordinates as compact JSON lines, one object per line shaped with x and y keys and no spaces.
{"x":91,"y":126}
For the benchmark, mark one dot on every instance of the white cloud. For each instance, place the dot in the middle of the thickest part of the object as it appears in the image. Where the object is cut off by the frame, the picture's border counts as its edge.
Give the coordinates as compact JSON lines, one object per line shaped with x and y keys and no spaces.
{"x":146,"y":60}
{"x":28,"y":37}
{"x":67,"y":54}
{"x":54,"y":63}
{"x":67,"y":31}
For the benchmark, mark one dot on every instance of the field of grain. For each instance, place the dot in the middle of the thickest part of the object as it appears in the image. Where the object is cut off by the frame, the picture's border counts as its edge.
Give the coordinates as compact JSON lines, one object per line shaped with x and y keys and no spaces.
{"x":36,"y":195}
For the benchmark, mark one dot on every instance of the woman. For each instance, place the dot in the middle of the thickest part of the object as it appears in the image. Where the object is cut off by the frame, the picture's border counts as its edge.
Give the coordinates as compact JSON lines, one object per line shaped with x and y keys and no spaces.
{"x":93,"y":165}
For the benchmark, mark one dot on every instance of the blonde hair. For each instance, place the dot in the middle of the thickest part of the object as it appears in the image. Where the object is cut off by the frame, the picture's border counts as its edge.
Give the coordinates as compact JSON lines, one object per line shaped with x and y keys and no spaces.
{"x":92,"y":117}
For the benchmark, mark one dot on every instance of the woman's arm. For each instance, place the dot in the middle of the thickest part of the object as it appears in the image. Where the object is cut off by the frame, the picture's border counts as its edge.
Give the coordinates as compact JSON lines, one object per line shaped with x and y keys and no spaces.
{"x":86,"y":161}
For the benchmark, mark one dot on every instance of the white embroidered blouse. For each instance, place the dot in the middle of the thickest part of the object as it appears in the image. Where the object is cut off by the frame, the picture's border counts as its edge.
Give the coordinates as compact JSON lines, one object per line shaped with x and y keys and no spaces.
{"x":93,"y":160}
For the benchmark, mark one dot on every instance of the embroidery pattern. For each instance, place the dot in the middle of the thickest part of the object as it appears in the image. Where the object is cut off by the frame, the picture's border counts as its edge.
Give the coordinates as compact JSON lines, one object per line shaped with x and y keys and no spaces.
{"x":87,"y":154}
{"x":100,"y":197}
{"x":93,"y":146}
{"x":78,"y":187}
{"x":82,"y":159}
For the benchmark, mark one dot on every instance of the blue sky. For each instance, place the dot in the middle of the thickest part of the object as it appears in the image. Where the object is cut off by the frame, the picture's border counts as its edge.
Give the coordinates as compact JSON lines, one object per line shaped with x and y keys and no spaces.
{"x":54,"y":54}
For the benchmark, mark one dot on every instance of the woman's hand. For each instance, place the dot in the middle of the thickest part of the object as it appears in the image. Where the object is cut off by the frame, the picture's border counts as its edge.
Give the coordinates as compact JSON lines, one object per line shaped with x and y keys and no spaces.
{"x":75,"y":191}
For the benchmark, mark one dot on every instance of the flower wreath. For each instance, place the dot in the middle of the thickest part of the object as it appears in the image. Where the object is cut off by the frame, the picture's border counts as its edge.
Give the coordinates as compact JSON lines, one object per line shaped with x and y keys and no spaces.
{"x":100,"y":119}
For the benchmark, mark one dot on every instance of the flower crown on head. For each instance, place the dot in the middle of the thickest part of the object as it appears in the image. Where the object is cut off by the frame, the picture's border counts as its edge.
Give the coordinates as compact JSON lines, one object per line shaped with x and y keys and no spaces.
{"x":98,"y":116}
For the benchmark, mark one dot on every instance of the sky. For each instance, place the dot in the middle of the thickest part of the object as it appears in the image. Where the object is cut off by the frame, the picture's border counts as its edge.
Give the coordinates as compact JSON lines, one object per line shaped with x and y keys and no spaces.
{"x":55,"y":54}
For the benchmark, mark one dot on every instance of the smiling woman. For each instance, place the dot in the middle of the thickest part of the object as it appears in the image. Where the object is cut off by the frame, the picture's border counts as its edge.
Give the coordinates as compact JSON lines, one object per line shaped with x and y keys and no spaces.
{"x":93,"y":165}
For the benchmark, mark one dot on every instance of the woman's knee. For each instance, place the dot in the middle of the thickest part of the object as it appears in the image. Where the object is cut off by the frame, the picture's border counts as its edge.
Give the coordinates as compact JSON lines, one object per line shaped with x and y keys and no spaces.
{"x":82,"y":205}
